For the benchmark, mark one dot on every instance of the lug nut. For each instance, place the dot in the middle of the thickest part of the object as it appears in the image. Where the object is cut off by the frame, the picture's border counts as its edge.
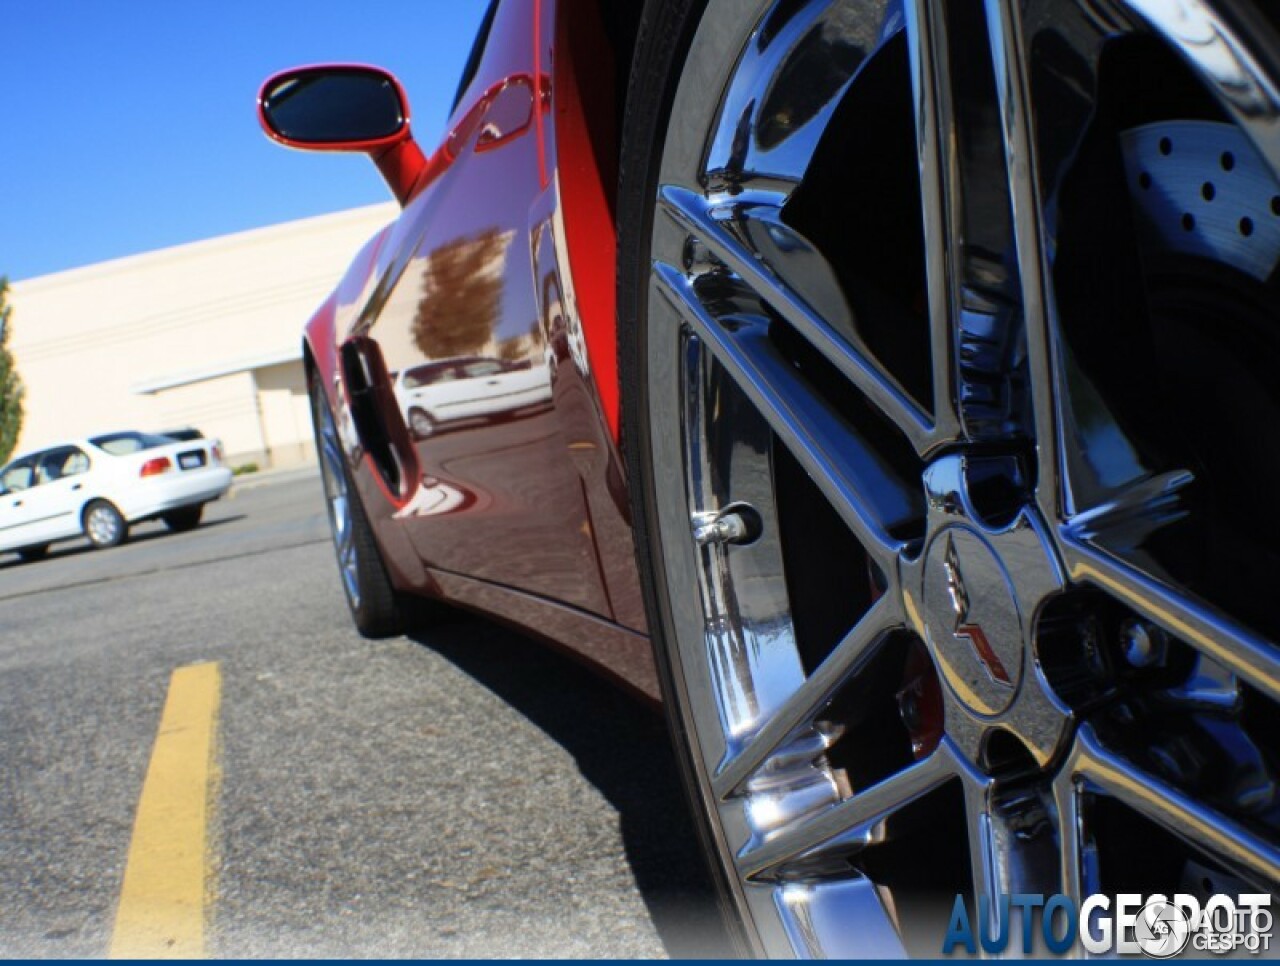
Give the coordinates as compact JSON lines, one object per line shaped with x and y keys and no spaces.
{"x":1142,"y":643}
{"x":909,"y":709}
{"x":698,"y":259}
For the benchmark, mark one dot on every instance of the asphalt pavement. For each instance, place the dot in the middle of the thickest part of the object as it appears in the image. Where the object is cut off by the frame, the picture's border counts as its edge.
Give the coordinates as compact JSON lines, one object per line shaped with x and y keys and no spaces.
{"x":462,"y":791}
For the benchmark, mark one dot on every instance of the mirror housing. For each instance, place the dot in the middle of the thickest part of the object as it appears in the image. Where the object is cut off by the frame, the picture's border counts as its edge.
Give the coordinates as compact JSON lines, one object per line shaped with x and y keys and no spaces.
{"x":345,"y":107}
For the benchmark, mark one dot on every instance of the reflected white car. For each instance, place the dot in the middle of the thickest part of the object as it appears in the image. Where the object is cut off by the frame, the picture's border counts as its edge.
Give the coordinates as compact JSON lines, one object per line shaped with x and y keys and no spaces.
{"x":98,"y":487}
{"x":468,"y":387}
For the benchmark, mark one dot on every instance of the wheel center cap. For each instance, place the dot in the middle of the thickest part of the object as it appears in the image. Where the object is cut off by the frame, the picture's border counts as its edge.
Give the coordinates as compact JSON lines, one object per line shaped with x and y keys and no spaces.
{"x":972,"y":620}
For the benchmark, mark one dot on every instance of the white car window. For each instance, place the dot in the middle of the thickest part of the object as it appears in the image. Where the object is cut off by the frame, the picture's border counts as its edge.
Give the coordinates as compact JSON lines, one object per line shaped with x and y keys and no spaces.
{"x":61,"y":462}
{"x":475,"y":370}
{"x":427,"y":376}
{"x":122,"y":444}
{"x":18,"y":476}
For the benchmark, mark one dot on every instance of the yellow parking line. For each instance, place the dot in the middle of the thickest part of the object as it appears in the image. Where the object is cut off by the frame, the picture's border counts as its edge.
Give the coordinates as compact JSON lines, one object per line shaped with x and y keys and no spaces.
{"x":162,"y":902}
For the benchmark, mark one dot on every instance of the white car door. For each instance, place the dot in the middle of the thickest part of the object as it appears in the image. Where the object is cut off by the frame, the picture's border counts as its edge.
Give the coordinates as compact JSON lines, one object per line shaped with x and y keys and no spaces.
{"x":58,"y":493}
{"x":433,"y":388}
{"x":17,"y":513}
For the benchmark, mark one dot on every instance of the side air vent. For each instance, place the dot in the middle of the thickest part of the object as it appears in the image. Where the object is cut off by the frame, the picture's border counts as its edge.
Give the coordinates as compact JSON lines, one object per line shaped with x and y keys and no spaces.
{"x":368,"y":384}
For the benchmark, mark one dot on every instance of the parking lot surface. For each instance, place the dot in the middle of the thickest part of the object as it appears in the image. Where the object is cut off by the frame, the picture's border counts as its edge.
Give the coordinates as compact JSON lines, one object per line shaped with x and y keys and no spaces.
{"x":459,"y":792}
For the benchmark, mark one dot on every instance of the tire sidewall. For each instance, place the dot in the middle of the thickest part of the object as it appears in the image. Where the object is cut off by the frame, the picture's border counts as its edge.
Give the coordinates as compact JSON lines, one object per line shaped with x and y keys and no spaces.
{"x":668,"y":114}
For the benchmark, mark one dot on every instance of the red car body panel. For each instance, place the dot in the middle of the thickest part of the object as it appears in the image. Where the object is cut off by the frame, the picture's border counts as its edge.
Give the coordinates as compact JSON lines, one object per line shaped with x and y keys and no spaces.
{"x":489,"y":305}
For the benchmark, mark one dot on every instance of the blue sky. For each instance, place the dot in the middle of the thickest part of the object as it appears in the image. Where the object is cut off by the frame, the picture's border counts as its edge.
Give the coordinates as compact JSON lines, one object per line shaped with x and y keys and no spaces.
{"x":128,"y":125}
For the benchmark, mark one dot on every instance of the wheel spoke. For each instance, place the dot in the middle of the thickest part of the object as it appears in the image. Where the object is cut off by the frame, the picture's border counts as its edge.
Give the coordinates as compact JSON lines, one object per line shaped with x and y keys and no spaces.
{"x":338,"y":507}
{"x":1008,"y":64}
{"x":864,"y":809}
{"x":1129,"y":517}
{"x":1171,"y":808}
{"x":853,"y":476}
{"x":984,"y":863}
{"x":1251,"y":657}
{"x":968,"y":182}
{"x":935,"y":152}
{"x":333,"y":476}
{"x":819,"y":921}
{"x":723,"y":230}
{"x":333,"y":455}
{"x":847,"y":658}
{"x":1076,"y":850}
{"x":1012,"y":847}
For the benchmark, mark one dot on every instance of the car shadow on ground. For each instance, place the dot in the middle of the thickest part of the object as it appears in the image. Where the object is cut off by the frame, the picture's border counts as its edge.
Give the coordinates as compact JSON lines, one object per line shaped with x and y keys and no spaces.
{"x":74,"y":548}
{"x":621,"y":746}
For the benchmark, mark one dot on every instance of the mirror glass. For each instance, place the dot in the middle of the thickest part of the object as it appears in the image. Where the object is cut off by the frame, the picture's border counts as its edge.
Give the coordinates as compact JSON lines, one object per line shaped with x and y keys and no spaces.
{"x":334,"y":105}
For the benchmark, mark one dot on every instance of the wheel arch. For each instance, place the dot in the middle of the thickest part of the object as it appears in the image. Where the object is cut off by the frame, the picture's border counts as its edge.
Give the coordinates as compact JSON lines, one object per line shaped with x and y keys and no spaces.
{"x":83,"y":507}
{"x":89,"y":501}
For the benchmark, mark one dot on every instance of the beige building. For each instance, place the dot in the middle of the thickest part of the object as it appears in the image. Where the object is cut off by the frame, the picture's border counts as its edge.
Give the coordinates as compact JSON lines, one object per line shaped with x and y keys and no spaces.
{"x":206,"y":335}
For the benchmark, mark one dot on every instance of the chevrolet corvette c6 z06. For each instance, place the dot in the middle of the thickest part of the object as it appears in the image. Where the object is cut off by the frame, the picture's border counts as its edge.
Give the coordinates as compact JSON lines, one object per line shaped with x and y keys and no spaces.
{"x":906,"y":421}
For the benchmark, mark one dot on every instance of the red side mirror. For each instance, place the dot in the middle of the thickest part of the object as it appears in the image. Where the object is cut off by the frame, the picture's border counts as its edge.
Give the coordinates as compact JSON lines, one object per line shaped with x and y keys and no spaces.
{"x":345,"y":107}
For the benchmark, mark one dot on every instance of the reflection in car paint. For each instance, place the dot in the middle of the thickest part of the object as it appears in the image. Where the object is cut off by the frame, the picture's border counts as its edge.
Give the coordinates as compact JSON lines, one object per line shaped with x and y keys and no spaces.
{"x":433,"y":498}
{"x":471,"y":387}
{"x":464,"y":304}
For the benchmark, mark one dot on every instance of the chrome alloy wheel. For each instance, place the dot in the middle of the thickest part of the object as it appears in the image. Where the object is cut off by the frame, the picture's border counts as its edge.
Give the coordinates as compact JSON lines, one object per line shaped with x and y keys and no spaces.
{"x":334,"y":474}
{"x":962,"y":326}
{"x":103,"y":525}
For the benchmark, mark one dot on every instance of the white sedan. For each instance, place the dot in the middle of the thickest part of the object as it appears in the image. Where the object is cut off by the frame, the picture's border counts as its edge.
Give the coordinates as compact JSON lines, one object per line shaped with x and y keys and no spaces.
{"x":468,"y":387}
{"x":99,"y":487}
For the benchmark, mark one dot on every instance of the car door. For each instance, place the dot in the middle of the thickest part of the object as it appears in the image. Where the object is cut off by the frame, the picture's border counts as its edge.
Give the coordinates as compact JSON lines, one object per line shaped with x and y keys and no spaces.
{"x":440,"y":393}
{"x":482,"y":390}
{"x":457,"y":281}
{"x":423,"y":389}
{"x":16,"y":513}
{"x":59,"y":492}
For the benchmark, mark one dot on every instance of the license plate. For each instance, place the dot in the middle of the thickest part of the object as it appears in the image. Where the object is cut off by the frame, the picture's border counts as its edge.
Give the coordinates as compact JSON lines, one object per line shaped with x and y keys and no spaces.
{"x":189,"y":461}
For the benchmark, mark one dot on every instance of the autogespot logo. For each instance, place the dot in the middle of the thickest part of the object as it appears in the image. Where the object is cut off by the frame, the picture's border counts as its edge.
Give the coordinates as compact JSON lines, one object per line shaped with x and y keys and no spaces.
{"x":1127,"y":923}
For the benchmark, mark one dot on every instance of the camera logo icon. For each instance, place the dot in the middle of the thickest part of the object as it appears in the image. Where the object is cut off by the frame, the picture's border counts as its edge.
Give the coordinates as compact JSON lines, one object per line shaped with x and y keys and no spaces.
{"x":1162,"y":930}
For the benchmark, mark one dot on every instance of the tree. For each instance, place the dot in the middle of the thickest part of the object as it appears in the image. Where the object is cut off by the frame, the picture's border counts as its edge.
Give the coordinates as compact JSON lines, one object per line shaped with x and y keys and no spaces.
{"x":11,"y":391}
{"x":513,"y":349}
{"x":461,"y":295}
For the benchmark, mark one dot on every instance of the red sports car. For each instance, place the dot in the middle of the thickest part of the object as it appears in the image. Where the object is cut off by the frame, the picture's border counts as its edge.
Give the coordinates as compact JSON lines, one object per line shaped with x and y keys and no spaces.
{"x":888,"y":385}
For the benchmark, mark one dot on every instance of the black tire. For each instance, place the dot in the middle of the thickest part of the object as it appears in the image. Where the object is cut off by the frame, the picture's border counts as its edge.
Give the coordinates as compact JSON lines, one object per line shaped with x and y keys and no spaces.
{"x":371,"y":597}
{"x":187,"y":518}
{"x":29,"y":554}
{"x":104,"y":525}
{"x":665,"y":31}
{"x":378,"y":614}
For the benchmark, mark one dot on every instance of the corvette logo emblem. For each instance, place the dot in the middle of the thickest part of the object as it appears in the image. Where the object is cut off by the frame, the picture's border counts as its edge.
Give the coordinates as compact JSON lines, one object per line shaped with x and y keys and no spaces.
{"x":963,"y":630}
